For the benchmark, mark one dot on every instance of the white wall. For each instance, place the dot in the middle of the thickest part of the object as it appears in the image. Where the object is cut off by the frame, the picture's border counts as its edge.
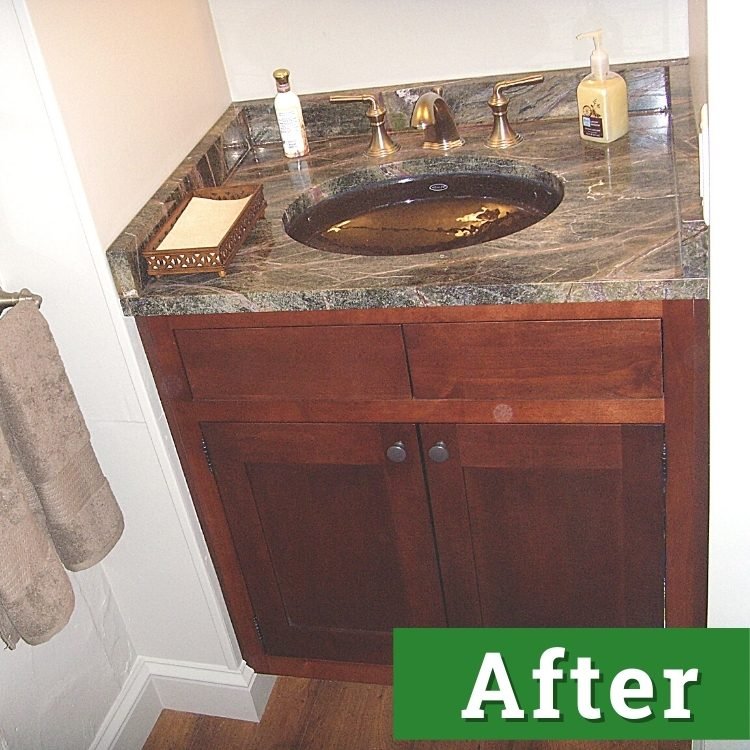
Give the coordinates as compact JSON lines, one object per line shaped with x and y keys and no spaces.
{"x":55,"y":695}
{"x":343,"y":44}
{"x":729,"y":558}
{"x":115,"y":156}
{"x":98,"y":107}
{"x":729,"y":542}
{"x":42,"y":247}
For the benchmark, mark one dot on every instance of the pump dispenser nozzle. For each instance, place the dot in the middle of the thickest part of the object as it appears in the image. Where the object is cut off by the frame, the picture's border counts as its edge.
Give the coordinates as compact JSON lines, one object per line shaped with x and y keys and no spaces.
{"x":599,"y":57}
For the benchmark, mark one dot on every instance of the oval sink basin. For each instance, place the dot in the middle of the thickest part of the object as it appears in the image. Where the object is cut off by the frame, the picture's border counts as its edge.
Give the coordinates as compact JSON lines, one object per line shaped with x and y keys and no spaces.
{"x":422,"y":206}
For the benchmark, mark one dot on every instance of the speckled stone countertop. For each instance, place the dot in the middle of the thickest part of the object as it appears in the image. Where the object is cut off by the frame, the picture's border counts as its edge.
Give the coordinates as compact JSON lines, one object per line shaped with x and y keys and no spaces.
{"x":629,"y":226}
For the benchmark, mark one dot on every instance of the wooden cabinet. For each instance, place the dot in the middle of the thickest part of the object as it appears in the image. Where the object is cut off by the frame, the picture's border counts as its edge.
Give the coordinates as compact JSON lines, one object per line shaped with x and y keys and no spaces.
{"x":539,"y":359}
{"x":549,"y":525}
{"x":294,"y":362}
{"x":334,"y":539}
{"x":521,"y":465}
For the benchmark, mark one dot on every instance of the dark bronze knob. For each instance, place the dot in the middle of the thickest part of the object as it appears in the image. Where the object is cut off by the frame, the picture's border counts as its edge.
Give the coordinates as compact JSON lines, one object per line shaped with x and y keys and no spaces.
{"x":439,"y":452}
{"x":397,"y":452}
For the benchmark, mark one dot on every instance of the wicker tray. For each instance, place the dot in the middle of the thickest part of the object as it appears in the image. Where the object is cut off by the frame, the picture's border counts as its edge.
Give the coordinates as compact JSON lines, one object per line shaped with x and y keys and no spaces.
{"x":206,"y":259}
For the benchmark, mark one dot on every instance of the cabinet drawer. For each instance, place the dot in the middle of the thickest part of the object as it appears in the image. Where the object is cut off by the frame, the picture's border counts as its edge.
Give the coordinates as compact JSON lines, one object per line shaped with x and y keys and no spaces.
{"x":569,"y":359}
{"x":322,"y":362}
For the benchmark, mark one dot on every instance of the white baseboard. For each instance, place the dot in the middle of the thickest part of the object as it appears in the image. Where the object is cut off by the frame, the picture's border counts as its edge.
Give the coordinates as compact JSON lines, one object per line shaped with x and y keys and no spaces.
{"x":217,"y":691}
{"x":156,"y":684}
{"x":133,"y":714}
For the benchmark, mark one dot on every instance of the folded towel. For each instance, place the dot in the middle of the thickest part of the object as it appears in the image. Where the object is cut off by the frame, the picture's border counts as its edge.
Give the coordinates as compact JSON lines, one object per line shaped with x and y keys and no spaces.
{"x":36,"y":599}
{"x":52,"y":444}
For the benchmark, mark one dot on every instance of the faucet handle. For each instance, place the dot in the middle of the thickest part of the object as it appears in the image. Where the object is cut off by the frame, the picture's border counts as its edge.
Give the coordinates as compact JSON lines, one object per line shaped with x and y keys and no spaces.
{"x":371,"y":99}
{"x":510,"y":83}
{"x":380,"y":142}
{"x":503,"y":135}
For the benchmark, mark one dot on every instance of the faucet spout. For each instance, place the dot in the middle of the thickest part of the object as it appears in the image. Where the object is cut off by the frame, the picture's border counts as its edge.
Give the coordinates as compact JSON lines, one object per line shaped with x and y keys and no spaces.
{"x":433,"y":115}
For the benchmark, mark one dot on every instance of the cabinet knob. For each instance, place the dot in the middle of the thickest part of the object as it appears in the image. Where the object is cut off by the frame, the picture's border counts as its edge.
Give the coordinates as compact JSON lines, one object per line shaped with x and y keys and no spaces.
{"x":439,"y":452}
{"x":397,"y":452}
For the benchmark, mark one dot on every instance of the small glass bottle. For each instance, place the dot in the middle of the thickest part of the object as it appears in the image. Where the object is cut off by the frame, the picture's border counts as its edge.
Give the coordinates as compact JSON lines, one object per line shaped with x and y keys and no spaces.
{"x":289,"y":117}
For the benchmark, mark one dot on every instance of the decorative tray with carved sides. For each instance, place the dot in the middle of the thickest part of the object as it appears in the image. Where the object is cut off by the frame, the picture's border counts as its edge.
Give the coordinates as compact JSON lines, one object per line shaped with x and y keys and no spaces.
{"x":205,"y":231}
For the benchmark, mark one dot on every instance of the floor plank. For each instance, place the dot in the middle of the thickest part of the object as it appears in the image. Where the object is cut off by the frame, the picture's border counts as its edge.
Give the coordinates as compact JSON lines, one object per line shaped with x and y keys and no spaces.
{"x":287,"y":715}
{"x":173,"y":730}
{"x":307,"y":714}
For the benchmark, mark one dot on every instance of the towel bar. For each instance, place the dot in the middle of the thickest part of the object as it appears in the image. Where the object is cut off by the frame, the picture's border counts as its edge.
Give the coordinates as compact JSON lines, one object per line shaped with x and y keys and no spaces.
{"x":8,"y":299}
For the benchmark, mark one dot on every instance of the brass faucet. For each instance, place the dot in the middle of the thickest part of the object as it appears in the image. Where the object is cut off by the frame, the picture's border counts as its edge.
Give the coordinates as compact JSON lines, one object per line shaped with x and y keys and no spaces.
{"x":503,"y":135}
{"x":432,"y":114}
{"x":380,"y":142}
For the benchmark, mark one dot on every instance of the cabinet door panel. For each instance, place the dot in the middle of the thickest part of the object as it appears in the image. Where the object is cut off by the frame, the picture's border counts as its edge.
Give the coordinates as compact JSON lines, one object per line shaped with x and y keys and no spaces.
{"x":564,"y":524}
{"x":334,"y":540}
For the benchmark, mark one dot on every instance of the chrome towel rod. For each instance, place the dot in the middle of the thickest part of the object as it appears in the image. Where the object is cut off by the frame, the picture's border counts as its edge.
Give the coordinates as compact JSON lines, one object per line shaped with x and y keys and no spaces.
{"x":9,"y":299}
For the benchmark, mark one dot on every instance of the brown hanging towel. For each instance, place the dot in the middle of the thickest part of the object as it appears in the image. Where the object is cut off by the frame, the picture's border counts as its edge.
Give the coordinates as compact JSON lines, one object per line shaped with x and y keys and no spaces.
{"x":51,"y":469}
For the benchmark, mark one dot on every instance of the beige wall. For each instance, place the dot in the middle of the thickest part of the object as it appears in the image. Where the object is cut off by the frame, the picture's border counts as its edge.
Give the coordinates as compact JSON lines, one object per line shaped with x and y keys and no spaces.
{"x":340,"y":44}
{"x":137,"y":83}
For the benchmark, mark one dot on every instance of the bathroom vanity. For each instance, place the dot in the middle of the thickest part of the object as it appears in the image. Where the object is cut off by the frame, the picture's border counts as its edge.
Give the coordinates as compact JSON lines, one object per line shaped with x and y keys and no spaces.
{"x":504,"y":466}
{"x":509,"y":434}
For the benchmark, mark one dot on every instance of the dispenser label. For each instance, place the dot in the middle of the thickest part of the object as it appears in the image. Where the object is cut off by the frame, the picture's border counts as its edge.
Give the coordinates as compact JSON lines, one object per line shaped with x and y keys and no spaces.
{"x":592,"y":126}
{"x":592,"y":123}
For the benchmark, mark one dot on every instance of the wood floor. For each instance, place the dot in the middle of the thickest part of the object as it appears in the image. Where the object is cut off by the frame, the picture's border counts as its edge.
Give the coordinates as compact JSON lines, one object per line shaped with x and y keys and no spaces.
{"x":318,"y":715}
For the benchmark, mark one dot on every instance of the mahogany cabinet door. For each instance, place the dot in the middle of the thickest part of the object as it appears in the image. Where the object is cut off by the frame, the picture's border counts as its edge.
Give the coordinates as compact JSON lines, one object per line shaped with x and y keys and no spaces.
{"x":334,"y":539}
{"x":549,"y":525}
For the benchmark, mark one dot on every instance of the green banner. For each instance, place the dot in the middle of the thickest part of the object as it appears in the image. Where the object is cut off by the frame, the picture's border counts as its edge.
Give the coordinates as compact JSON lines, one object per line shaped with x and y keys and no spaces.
{"x":571,"y":683}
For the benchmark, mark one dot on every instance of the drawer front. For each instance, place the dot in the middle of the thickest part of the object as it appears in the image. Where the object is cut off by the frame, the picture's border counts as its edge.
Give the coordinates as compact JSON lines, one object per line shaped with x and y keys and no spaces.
{"x":322,"y":362}
{"x":569,"y":359}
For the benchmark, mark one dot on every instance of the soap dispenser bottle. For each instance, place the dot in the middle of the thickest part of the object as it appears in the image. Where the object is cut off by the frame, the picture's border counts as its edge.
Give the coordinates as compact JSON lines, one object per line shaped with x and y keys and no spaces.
{"x":602,"y":97}
{"x":289,"y":116}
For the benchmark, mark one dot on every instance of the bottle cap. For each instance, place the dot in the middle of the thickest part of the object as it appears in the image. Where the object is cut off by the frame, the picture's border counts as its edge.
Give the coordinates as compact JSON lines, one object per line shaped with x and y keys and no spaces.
{"x":282,"y":79}
{"x":599,"y":57}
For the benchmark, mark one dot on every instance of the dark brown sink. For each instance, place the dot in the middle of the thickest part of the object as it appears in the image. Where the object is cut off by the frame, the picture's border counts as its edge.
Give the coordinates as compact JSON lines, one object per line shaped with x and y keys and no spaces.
{"x":401,"y":211}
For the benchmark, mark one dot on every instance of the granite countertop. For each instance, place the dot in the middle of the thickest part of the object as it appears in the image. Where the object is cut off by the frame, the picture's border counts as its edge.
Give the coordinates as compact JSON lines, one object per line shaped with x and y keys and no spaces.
{"x":628,"y":228}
